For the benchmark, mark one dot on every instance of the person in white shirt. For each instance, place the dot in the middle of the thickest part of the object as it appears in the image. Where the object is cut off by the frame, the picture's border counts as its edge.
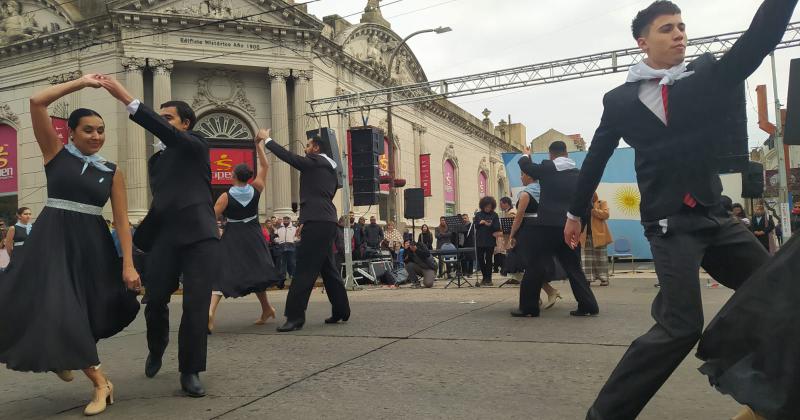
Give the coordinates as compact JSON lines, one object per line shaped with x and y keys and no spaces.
{"x":285,"y":238}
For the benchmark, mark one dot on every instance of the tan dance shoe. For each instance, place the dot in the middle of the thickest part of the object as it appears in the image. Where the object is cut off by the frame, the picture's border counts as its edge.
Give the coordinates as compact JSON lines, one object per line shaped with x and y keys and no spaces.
{"x":747,"y":413}
{"x":103,"y":397}
{"x":551,"y":300}
{"x":265,"y":317}
{"x":65,"y":375}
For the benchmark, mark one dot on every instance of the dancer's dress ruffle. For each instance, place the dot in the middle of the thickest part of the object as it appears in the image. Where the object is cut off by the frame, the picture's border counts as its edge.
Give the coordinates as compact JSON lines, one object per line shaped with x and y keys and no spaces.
{"x":752,"y":347}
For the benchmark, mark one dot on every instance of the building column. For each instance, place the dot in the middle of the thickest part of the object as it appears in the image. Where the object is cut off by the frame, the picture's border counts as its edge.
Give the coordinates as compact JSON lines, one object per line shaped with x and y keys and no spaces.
{"x":281,"y":180}
{"x":136,"y":148}
{"x":301,"y":81}
{"x":162,"y":80}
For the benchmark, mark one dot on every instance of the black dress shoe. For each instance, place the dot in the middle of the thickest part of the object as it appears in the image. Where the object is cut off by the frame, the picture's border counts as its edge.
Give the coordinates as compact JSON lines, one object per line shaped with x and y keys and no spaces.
{"x":152,"y":365}
{"x":519,"y":314}
{"x":336,"y":318}
{"x":191,"y":386}
{"x":581,"y":313}
{"x":292,"y":325}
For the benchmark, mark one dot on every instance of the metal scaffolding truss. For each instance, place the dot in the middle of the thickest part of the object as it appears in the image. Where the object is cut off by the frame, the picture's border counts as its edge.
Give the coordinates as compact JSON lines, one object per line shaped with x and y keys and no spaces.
{"x":518,"y":77}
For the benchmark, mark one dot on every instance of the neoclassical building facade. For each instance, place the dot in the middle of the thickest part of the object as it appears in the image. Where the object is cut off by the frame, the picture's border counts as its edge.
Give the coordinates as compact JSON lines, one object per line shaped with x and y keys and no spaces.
{"x":241,"y":64}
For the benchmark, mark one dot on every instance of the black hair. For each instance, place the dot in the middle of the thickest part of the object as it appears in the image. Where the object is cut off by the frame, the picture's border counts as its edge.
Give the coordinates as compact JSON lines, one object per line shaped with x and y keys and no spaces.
{"x":558,"y":148}
{"x":76,"y":115}
{"x":739,"y":206}
{"x":317,"y":140}
{"x":726,"y":203}
{"x":22,"y":210}
{"x":242,"y":172}
{"x":425,"y":226}
{"x":507,"y":200}
{"x":487,"y":201}
{"x":184,"y":111}
{"x":645,"y":18}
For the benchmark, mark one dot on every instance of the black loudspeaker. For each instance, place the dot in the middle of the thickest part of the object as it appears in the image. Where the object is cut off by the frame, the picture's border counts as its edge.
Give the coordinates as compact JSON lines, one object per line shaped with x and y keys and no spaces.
{"x":415,"y":203}
{"x":366,"y":145}
{"x":753,"y":181}
{"x":732,"y":153}
{"x":792,"y":132}
{"x":331,"y":148}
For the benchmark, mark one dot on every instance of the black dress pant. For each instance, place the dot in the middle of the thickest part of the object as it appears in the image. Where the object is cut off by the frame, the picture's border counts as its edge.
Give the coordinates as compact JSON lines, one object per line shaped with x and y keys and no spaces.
{"x":539,"y":245}
{"x":315,"y":258}
{"x":694,"y":238}
{"x":199,"y":266}
{"x":485,"y":254}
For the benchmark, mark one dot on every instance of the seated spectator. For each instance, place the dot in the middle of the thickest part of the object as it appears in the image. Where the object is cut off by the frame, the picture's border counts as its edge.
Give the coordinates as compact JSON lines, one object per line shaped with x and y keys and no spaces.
{"x":418,"y":262}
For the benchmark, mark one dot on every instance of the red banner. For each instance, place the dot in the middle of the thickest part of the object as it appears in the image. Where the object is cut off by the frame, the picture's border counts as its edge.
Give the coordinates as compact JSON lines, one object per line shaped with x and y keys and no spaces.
{"x":224,"y":160}
{"x":8,"y":160}
{"x":62,"y":129}
{"x":383,"y":164}
{"x":425,"y":174}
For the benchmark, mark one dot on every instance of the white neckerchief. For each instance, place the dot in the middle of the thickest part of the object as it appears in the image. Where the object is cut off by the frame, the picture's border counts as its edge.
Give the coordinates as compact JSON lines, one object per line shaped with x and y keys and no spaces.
{"x":329,"y":160}
{"x":564,"y":163}
{"x":95,"y":160}
{"x":651,"y":82}
{"x":159,"y":146}
{"x":27,"y":227}
{"x":242,"y":194}
{"x":641,"y":71}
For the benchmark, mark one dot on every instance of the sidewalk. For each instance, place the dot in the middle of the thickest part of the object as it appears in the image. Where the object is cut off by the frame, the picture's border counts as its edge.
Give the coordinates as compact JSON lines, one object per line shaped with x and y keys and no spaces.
{"x":421,"y":354}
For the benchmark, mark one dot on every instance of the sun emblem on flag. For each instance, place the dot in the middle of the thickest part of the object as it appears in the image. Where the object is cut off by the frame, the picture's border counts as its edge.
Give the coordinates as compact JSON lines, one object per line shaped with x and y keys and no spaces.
{"x":628,"y":199}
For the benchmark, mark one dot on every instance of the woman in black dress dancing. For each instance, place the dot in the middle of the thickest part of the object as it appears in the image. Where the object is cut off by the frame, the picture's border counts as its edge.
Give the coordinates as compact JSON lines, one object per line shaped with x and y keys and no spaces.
{"x":249,"y":267}
{"x":68,"y":289}
{"x":17,"y":234}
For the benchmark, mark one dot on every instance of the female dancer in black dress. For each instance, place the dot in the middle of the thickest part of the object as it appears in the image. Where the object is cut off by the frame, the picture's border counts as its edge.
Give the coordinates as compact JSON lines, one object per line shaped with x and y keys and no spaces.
{"x":527,"y":207}
{"x":17,"y":234}
{"x":68,"y":289}
{"x":248,"y":262}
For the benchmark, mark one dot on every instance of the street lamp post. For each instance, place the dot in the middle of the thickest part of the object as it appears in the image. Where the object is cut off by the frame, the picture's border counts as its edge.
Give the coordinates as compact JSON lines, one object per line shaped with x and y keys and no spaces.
{"x":389,"y":127}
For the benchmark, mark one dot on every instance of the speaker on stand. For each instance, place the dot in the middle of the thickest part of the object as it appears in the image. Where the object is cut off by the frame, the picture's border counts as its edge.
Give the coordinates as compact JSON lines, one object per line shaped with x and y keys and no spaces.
{"x":753,"y":181}
{"x":792,"y":125}
{"x":366,"y":145}
{"x":414,"y":207}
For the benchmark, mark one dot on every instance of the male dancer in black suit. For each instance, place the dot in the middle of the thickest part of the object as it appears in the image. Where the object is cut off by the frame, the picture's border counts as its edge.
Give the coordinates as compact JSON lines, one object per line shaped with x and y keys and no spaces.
{"x":671,"y":114}
{"x":179,"y":233}
{"x":557,"y":178}
{"x":318,"y":185}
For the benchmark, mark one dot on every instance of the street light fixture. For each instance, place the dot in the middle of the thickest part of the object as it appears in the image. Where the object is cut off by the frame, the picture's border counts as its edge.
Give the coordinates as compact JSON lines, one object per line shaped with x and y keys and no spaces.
{"x":389,"y":127}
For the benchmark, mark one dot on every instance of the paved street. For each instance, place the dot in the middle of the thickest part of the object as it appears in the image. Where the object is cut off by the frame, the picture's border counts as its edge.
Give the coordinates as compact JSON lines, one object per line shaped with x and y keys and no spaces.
{"x":405,"y":353}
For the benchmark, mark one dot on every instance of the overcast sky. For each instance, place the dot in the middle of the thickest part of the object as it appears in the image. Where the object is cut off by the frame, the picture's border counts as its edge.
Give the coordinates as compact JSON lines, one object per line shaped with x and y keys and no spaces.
{"x":492,"y":35}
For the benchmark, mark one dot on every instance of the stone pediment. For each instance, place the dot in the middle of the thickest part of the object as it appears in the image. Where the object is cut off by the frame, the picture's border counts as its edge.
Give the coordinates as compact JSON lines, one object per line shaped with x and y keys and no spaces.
{"x":269,"y":12}
{"x":373,"y":44}
{"x":22,"y":21}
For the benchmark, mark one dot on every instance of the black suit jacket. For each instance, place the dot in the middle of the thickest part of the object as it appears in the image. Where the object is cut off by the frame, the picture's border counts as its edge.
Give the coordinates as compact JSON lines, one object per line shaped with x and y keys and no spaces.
{"x":681,"y":157}
{"x":318,"y":184}
{"x":767,"y":225}
{"x":558,"y":190}
{"x":180,"y":178}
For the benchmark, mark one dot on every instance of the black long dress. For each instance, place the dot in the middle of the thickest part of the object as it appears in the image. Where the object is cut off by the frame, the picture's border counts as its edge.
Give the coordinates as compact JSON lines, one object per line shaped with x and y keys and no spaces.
{"x":248,"y":265}
{"x":66,"y":291}
{"x":516,"y":263}
{"x":752,"y":347}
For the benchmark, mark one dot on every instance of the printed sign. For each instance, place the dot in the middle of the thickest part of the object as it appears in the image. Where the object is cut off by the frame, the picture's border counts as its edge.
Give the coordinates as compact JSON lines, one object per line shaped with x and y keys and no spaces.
{"x":224,"y":160}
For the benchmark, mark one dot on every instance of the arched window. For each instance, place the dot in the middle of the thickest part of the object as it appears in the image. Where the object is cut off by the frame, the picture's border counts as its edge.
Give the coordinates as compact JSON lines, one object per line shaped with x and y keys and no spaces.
{"x":220,"y":125}
{"x":450,"y":188}
{"x":483,"y":184}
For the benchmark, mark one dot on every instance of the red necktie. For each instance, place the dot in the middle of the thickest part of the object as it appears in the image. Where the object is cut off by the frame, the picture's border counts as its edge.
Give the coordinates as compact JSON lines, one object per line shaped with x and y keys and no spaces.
{"x":687,"y":199}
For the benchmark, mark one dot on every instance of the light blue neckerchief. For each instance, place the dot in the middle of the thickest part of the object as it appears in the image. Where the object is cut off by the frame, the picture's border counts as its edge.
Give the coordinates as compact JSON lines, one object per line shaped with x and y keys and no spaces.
{"x":95,"y":160}
{"x":27,"y":227}
{"x":534,"y":189}
{"x":242,"y":194}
